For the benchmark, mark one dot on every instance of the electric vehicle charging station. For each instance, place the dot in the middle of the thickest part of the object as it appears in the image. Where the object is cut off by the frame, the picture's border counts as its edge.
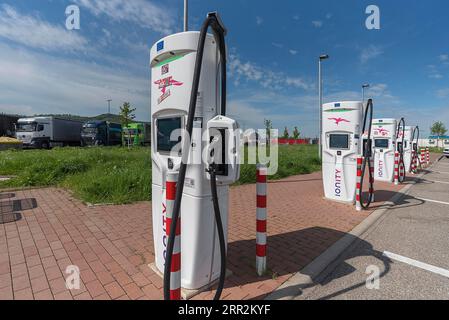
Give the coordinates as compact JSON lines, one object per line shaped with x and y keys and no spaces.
{"x":384,"y":135}
{"x":188,"y":99}
{"x":416,"y":161}
{"x":400,"y":143}
{"x":343,"y":126}
{"x":408,"y":148}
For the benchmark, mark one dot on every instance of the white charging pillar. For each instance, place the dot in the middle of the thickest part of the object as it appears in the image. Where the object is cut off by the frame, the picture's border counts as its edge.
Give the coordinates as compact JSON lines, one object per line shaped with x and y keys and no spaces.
{"x":342,"y":126}
{"x":172,"y":68}
{"x":384,"y":136}
{"x":408,"y":147}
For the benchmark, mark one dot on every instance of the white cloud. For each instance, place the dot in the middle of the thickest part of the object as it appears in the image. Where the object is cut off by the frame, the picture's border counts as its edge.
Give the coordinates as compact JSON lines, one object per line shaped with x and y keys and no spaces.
{"x":36,"y":33}
{"x":443,"y":93}
{"x":436,"y":76}
{"x":277,"y":45}
{"x":444,"y":57}
{"x":259,"y":20}
{"x":296,"y":17}
{"x":293,"y":52}
{"x":434,"y":71}
{"x":369,"y":53}
{"x":265,"y":77}
{"x":38,"y":83}
{"x":317,"y":23}
{"x":143,"y":13}
{"x":329,"y":15}
{"x":16,"y":109}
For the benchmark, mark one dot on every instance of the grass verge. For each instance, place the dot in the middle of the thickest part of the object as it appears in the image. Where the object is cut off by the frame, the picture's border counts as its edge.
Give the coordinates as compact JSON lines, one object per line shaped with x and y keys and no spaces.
{"x":119,"y":175}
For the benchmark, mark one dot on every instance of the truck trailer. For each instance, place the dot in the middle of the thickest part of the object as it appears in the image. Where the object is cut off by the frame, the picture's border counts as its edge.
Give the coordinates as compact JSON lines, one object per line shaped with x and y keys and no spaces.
{"x":101,"y":133}
{"x":48,"y":132}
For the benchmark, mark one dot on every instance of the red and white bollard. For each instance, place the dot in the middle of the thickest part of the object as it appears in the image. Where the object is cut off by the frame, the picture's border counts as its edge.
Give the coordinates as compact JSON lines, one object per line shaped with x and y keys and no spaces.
{"x":358,"y":205}
{"x":396,"y":168}
{"x":261,"y":213}
{"x":428,"y":155}
{"x":423,"y":157}
{"x":413,"y":163}
{"x":175,"y":277}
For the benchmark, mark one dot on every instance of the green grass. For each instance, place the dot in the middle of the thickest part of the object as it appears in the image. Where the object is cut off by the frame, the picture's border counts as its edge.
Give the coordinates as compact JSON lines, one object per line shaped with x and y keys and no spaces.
{"x":436,"y":149}
{"x":119,"y":175}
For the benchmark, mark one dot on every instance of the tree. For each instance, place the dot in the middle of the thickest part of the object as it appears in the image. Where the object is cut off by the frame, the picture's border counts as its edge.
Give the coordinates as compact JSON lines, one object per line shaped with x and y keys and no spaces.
{"x":127,"y":116}
{"x":296,"y":133}
{"x":438,"y":129}
{"x":286,"y":134}
{"x":268,"y":127}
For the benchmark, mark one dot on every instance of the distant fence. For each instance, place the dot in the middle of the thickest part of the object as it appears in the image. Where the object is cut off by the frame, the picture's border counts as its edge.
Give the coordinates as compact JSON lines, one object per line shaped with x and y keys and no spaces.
{"x":7,"y":124}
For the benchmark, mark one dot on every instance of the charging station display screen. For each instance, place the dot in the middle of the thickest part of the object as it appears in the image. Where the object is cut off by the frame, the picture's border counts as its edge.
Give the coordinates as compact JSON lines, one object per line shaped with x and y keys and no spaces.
{"x":165,"y":128}
{"x":339,"y":141}
{"x":381,"y":143}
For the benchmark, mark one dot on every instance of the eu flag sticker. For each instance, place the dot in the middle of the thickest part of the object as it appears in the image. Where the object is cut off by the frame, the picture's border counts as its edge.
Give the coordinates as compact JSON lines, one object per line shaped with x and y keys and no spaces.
{"x":160,"y":46}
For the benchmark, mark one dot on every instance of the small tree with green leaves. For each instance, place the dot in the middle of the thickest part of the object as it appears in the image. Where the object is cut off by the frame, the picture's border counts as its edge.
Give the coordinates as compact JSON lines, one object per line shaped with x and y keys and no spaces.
{"x":286,"y":135}
{"x":438,"y":129}
{"x":127,"y":116}
{"x":296,"y":133}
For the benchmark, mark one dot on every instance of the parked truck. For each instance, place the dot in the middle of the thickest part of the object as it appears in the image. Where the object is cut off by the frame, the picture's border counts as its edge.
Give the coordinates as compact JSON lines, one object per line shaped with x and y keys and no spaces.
{"x":101,"y":133}
{"x":7,"y":125}
{"x":48,"y":132}
{"x":137,"y":134}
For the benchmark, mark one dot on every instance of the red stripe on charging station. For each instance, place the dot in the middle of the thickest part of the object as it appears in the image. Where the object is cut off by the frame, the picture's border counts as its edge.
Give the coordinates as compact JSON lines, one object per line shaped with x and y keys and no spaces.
{"x":396,"y":168}
{"x":358,"y":205}
{"x":428,"y":155}
{"x":175,"y":276}
{"x":261,"y":223}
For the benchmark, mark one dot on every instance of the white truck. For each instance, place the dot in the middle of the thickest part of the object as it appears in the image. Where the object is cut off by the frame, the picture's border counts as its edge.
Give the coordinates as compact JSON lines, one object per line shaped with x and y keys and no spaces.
{"x":47,"y":132}
{"x":446,"y":152}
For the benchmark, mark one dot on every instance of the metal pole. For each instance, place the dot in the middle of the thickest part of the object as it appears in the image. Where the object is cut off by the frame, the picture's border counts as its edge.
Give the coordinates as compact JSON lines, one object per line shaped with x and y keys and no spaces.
{"x":186,"y":15}
{"x":109,"y":106}
{"x":320,"y":83}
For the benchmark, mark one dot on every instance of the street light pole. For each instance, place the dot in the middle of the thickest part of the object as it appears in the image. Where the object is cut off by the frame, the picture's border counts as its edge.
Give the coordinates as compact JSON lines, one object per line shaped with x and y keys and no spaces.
{"x":320,"y":93}
{"x":186,"y":15}
{"x":109,"y":106}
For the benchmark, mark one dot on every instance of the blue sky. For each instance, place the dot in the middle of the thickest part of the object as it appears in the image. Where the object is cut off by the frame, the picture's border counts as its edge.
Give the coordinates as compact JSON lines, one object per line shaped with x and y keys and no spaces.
{"x":273,"y":49}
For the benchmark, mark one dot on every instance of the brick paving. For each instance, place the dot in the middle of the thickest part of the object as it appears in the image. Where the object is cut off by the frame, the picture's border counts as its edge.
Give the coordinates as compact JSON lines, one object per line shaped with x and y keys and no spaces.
{"x":113,"y":245}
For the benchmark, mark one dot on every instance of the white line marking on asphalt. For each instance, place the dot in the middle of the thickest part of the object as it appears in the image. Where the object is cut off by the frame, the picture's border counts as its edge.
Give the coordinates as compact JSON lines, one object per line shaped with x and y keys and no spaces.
{"x":430,"y":200}
{"x":418,"y":264}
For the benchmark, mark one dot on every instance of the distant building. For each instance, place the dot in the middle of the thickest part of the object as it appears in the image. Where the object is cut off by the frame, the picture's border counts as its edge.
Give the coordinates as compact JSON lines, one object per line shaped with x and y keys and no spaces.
{"x":435,"y":141}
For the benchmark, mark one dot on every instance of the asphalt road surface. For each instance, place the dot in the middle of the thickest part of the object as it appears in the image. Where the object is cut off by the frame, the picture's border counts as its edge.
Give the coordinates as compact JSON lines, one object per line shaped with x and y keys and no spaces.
{"x":408,"y":247}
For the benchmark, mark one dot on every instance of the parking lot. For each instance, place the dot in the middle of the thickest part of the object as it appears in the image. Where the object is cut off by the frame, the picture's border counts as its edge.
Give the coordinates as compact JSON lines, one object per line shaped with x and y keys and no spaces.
{"x":46,"y":230}
{"x":408,"y":246}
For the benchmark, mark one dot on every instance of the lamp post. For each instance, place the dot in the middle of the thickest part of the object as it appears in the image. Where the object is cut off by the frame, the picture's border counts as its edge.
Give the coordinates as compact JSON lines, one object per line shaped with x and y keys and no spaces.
{"x":186,"y":15}
{"x":320,"y":93}
{"x":109,"y":106}
{"x":364,"y":86}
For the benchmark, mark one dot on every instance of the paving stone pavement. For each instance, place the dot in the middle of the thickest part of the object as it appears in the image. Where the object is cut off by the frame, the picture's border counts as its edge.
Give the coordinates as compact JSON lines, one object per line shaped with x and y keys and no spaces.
{"x":113,"y":245}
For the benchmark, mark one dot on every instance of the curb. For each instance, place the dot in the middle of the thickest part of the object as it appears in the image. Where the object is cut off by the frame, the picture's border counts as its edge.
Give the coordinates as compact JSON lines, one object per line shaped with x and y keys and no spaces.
{"x":294,"y":286}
